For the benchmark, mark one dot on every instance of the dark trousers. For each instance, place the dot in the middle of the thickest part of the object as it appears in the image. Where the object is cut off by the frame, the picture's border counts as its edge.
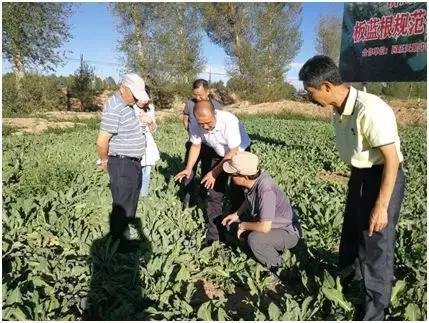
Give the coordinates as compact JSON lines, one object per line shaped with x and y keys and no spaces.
{"x":370,"y":258}
{"x":125,"y":183}
{"x":190,"y":187}
{"x":215,"y":196}
{"x":267,"y":247}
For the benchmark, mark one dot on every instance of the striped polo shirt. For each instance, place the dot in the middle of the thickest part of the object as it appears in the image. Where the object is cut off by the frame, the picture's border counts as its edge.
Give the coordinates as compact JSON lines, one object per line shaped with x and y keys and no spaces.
{"x":119,"y":119}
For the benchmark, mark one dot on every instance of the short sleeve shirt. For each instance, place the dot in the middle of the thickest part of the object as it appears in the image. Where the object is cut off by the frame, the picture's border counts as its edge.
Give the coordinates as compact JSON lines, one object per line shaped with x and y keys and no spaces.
{"x":366,"y":124}
{"x":228,"y":133}
{"x":267,"y":202}
{"x":119,"y":119}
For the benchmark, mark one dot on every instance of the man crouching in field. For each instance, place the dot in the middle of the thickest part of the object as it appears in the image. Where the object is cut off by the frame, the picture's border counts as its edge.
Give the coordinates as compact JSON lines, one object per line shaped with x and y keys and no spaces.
{"x":367,"y":139}
{"x":275,"y":228}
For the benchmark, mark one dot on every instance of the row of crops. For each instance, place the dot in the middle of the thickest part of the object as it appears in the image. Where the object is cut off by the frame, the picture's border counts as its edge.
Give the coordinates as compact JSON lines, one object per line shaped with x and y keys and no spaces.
{"x":59,"y":263}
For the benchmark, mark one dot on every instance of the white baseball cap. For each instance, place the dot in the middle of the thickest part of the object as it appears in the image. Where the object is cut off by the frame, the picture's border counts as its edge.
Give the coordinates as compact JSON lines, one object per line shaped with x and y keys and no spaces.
{"x":243,"y":163}
{"x":136,"y":85}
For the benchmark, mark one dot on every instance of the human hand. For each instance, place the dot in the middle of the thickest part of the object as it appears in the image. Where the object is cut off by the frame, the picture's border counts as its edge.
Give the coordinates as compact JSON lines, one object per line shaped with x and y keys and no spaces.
{"x":186,"y":173}
{"x":230,"y":219}
{"x":240,"y":231}
{"x":144,"y":119}
{"x":152,"y":127}
{"x":209,"y":180}
{"x":378,"y":219}
{"x":101,"y":164}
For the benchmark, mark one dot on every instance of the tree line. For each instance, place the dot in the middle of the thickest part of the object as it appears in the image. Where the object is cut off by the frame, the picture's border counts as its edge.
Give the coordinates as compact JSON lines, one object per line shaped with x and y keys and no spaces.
{"x":163,"y":43}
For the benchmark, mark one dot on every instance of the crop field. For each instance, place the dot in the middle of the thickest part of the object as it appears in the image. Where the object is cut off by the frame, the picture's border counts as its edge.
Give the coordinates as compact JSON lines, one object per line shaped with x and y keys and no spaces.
{"x":59,"y":264}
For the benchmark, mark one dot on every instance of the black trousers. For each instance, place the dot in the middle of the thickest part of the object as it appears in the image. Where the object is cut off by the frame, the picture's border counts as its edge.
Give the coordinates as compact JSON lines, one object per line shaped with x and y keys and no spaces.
{"x":370,"y":258}
{"x":215,"y":196}
{"x":190,"y":186}
{"x":125,"y":183}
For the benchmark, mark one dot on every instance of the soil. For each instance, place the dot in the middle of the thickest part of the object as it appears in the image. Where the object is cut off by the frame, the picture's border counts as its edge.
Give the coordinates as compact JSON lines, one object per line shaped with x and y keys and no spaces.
{"x":332,"y":177}
{"x":408,"y":113}
{"x":64,"y":115}
{"x":36,"y":125}
{"x":212,"y":291}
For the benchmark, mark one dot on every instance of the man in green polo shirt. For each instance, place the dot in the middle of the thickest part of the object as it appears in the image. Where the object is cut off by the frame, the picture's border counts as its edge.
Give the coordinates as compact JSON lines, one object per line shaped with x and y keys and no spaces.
{"x":367,"y":139}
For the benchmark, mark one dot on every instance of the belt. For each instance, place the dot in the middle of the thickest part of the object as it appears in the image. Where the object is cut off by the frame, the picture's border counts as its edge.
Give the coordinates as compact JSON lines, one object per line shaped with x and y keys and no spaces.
{"x":127,"y":157}
{"x":378,"y":166}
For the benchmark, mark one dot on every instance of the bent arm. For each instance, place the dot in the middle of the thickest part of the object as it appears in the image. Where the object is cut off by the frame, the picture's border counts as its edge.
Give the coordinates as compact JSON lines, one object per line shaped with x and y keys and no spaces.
{"x":102,"y":144}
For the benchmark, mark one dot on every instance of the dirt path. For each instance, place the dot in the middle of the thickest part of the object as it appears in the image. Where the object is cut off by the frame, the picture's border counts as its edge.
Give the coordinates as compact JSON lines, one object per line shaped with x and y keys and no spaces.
{"x":407,"y":113}
{"x":36,"y":125}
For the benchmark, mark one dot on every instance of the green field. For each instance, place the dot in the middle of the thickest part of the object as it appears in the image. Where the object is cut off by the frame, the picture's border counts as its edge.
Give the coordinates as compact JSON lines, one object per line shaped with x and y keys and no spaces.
{"x":58,"y":263}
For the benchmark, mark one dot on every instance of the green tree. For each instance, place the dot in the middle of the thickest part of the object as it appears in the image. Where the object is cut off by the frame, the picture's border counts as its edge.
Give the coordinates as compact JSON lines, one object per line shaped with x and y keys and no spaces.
{"x":109,"y":83}
{"x":33,"y":34}
{"x":277,"y":41}
{"x":39,"y":93}
{"x":177,"y":36}
{"x":328,"y":36}
{"x":229,"y":26}
{"x":260,"y":39}
{"x":168,"y":50}
{"x":135,"y":39}
{"x":83,"y":86}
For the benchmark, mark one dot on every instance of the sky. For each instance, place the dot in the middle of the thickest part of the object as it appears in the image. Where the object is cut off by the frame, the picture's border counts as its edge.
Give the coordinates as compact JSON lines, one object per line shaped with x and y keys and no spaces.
{"x":95,"y":36}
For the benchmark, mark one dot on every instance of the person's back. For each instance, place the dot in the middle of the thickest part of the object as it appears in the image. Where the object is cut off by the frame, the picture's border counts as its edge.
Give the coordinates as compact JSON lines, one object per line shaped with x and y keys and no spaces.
{"x":266,"y":192}
{"x":271,"y":226}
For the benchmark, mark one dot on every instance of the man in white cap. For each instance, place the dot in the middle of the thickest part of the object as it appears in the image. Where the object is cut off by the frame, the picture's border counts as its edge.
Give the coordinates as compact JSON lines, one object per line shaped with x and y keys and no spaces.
{"x":272,"y":226}
{"x":120,"y":147}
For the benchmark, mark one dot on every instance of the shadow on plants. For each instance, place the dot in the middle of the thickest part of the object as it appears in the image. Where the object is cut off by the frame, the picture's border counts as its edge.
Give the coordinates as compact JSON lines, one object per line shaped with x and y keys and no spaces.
{"x":191,"y":194}
{"x":200,"y":296}
{"x":174,"y":165}
{"x":116,"y":291}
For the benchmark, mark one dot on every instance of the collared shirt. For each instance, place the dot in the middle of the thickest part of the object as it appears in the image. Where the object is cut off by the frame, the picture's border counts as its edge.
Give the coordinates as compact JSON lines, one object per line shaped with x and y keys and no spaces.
{"x":366,"y":124}
{"x":119,"y":119}
{"x":267,"y":202}
{"x":227,"y":133}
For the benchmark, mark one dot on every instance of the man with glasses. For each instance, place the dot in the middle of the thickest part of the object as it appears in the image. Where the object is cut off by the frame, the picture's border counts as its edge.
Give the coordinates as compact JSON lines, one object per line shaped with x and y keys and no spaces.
{"x":120,"y":147}
{"x":223,"y":133}
{"x":271,"y":226}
